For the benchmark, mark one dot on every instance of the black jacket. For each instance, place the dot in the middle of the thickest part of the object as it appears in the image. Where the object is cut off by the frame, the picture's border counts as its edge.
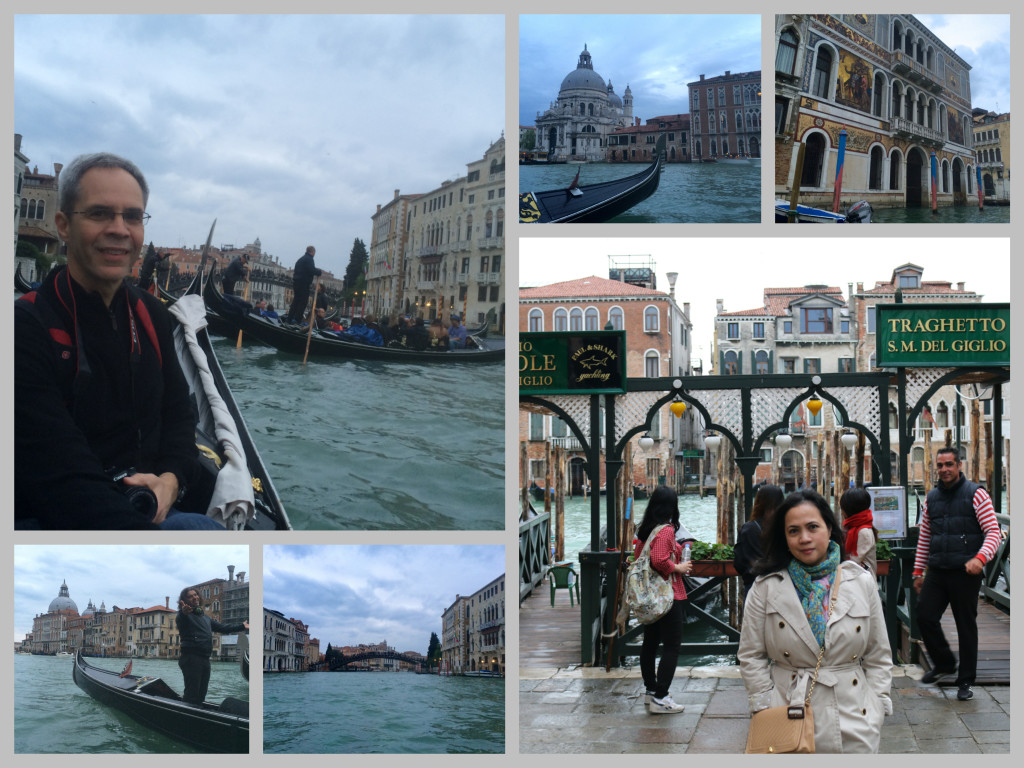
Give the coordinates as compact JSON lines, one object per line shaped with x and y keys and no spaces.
{"x":69,"y":429}
{"x":196,"y":632}
{"x":235,"y":271}
{"x":305,"y":270}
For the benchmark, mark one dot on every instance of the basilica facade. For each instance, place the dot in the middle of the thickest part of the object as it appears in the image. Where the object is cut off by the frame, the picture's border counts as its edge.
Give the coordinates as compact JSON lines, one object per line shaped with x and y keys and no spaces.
{"x":577,"y":124}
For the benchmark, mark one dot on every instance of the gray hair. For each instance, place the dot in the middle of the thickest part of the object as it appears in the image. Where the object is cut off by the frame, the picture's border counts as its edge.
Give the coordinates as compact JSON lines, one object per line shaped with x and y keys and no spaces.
{"x":71,"y":177}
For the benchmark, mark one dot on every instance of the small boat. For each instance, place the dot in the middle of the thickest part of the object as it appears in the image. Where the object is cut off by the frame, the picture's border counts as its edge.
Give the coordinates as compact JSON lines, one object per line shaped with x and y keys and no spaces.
{"x":64,"y":654}
{"x":293,"y":339}
{"x":21,"y":285}
{"x":858,"y":213}
{"x":734,"y":159}
{"x":210,"y":727}
{"x":593,"y":203}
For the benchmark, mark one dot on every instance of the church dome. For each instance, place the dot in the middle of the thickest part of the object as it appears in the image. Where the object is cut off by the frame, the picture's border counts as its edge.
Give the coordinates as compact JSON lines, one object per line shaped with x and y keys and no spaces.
{"x":613,"y":97}
{"x":584,"y":75}
{"x":63,"y":601}
{"x":90,"y":609}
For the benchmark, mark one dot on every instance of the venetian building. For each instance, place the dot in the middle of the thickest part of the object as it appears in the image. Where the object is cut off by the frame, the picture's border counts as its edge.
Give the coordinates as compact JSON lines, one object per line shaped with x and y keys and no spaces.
{"x":992,"y":147}
{"x":898,"y":90}
{"x":725,"y":116}
{"x":586,"y":111}
{"x":49,"y":630}
{"x":487,"y":628}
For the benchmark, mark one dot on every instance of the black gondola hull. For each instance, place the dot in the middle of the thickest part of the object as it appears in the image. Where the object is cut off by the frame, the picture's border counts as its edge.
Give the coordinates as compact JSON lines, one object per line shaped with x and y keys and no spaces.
{"x":206,"y":728}
{"x":293,"y":339}
{"x":595,"y":203}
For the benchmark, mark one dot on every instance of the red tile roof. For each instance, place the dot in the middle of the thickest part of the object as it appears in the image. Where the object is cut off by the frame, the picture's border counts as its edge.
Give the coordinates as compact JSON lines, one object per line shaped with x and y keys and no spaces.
{"x":586,"y":287}
{"x":927,"y":286}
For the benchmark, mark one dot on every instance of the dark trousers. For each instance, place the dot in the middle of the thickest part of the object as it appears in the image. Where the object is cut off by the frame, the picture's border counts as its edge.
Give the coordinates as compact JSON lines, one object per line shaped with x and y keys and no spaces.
{"x":298,"y":307}
{"x":229,"y":287}
{"x":959,"y":590}
{"x":196,"y":670}
{"x":668,"y":632}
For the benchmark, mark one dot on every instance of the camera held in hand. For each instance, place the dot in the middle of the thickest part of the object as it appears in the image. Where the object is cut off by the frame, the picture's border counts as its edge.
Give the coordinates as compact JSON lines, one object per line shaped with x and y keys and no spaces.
{"x":141,"y":497}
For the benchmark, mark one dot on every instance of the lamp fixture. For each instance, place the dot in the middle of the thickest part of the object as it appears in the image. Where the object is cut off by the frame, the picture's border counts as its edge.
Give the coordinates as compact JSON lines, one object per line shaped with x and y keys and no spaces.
{"x":783,"y":441}
{"x":678,"y":408}
{"x":646,"y":441}
{"x":848,"y":439}
{"x":814,"y":404}
{"x":712,"y":441}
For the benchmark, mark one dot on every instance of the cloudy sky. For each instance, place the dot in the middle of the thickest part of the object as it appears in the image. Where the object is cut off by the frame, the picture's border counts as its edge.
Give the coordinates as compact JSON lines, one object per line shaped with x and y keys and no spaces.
{"x":287,"y":128}
{"x":135,"y":576}
{"x":366,"y":594}
{"x":738,"y":270}
{"x":622,"y":49}
{"x":983,"y":41}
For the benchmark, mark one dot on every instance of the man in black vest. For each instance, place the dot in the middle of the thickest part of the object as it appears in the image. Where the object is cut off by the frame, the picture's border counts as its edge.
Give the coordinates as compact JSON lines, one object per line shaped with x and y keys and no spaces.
{"x":959,"y":534}
{"x":195,"y":631}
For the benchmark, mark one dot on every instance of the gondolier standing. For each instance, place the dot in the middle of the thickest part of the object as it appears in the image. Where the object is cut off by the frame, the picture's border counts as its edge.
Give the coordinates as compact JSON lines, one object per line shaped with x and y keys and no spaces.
{"x":305,"y":271}
{"x":236,"y":271}
{"x":196,"y":635}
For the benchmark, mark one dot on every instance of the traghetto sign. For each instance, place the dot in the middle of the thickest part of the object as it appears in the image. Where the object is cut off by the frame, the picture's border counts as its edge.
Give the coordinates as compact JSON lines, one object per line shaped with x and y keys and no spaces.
{"x":572,"y":363}
{"x":943,"y":335}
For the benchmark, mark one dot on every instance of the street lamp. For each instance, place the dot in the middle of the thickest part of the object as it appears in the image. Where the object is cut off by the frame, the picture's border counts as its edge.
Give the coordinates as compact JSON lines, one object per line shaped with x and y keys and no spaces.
{"x":849,"y":440}
{"x":646,"y":441}
{"x":783,"y":441}
{"x":712,"y":442}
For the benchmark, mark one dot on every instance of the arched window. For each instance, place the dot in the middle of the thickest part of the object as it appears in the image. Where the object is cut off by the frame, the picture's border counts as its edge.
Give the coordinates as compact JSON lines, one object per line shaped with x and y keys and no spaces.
{"x":761,"y":362}
{"x":576,"y":319}
{"x":895,"y":159}
{"x":822,"y":73}
{"x":40,"y":209}
{"x":652,"y":364}
{"x":591,"y":319}
{"x":469,"y":227}
{"x":499,"y":226}
{"x":561,"y":319}
{"x":697,"y":151}
{"x":945,"y":176}
{"x":31,"y":209}
{"x":488,"y":224}
{"x":814,"y":161}
{"x":878,"y":97}
{"x":24,"y":207}
{"x":785,"y":55}
{"x":897,"y":99}
{"x":875,"y":175}
{"x":730,"y":363}
{"x":615,"y":318}
{"x":651,"y":319}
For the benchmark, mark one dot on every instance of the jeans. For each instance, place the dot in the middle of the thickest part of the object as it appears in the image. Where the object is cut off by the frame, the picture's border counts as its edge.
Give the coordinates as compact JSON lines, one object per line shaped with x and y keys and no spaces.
{"x":189,"y":521}
{"x":666,"y":631}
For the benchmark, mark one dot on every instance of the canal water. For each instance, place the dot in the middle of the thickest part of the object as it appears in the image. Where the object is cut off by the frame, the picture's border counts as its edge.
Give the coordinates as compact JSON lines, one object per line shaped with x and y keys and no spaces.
{"x":369,"y":445}
{"x":382,"y":712}
{"x":52,"y":714}
{"x":687,"y":192}
{"x":957,"y":214}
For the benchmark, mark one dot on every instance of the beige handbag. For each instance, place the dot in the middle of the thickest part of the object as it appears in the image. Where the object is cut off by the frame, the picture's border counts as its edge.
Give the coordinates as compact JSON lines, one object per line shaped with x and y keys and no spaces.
{"x":781,"y":730}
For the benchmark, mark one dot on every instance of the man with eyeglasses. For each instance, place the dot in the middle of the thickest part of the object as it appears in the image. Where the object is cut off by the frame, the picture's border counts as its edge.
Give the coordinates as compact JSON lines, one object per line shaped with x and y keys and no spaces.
{"x":959,"y":534}
{"x":98,"y":390}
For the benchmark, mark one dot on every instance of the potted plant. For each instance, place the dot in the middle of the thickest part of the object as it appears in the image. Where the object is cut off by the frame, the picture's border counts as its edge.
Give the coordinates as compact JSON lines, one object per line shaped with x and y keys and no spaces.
{"x":712,"y":559}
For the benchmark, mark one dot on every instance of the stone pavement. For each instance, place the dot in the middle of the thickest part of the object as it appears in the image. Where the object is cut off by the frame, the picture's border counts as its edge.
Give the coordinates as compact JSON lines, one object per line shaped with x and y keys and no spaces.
{"x":588,"y":710}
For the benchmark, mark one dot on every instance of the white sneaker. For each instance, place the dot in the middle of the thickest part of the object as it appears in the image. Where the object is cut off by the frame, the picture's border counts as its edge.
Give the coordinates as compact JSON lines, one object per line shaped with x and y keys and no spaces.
{"x":648,"y":695}
{"x":664,"y":706}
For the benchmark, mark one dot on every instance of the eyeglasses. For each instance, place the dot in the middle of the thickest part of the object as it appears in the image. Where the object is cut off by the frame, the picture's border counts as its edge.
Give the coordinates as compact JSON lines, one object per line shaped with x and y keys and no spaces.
{"x":133,"y":217}
{"x":941,"y":464}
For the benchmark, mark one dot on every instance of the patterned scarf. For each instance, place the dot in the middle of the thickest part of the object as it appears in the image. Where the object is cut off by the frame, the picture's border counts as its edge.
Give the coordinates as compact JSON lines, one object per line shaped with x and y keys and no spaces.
{"x":813,"y":588}
{"x":853,"y":525}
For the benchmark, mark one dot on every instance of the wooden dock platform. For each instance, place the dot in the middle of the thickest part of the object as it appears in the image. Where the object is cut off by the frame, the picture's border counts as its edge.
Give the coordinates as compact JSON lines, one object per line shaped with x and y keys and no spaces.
{"x":548,"y":636}
{"x":993,"y":644}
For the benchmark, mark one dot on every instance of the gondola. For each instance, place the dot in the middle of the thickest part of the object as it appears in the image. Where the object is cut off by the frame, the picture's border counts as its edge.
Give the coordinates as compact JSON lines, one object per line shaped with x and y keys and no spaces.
{"x":593,"y":203}
{"x":21,"y":285}
{"x":858,"y":213}
{"x":221,"y":424}
{"x":293,"y":339}
{"x":210,"y":727}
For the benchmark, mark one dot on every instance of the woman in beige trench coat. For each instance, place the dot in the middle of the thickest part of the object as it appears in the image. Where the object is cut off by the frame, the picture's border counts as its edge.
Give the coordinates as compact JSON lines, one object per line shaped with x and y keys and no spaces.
{"x":779,"y":645}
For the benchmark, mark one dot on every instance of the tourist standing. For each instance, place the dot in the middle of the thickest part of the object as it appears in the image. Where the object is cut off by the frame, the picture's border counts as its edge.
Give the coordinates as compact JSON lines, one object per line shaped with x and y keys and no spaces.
{"x":861,"y":535}
{"x":959,"y":534}
{"x":806,"y":604}
{"x":302,"y":278}
{"x":748,"y":543}
{"x":666,"y":558}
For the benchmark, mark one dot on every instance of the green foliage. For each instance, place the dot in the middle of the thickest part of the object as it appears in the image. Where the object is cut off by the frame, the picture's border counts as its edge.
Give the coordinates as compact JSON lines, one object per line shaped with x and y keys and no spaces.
{"x":882,"y":550}
{"x":528,"y":141}
{"x":701,"y":550}
{"x":433,"y":651}
{"x":43,"y":262}
{"x":358,"y":260}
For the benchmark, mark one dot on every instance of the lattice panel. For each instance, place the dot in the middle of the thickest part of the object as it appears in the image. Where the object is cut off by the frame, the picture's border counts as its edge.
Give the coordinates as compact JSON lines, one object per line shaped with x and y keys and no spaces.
{"x":725,"y":407}
{"x":861,"y":404}
{"x":768,"y":405}
{"x":578,"y":409}
{"x":631,"y":411}
{"x":919,"y":380}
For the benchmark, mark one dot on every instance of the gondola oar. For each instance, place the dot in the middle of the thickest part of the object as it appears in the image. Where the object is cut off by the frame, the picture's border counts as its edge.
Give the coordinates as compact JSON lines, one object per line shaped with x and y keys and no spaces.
{"x":238,"y":344}
{"x":312,"y":318}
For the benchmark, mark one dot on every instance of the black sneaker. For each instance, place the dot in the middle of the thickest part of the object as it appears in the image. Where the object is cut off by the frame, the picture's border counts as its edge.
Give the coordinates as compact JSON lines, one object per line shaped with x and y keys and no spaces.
{"x":932,"y":675}
{"x":965,"y":692}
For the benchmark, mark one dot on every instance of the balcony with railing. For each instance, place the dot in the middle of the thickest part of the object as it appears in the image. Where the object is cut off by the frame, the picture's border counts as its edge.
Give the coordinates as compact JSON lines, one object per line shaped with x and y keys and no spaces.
{"x":980,"y":140}
{"x":938,"y":434}
{"x":566,"y":443}
{"x":486,"y":243}
{"x":901,"y":126}
{"x":904,"y":65}
{"x":487,"y":278}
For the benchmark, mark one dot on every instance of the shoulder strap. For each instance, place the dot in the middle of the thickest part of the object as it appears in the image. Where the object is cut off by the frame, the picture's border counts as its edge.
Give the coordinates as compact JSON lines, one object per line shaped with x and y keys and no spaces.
{"x":146,"y":320}
{"x":72,"y":362}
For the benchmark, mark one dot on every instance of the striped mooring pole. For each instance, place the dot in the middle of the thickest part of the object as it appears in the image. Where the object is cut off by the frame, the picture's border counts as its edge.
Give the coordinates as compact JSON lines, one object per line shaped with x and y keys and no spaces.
{"x":839,"y":170}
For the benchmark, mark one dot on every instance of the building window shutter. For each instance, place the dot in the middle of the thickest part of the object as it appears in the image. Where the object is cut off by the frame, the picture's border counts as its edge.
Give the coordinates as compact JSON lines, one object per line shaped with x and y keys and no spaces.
{"x":771,"y":361}
{"x":739,"y":364}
